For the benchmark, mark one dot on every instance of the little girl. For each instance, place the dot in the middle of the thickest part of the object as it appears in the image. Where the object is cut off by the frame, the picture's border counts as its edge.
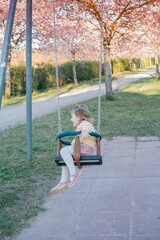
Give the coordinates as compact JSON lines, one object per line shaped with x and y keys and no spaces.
{"x":81,"y":119}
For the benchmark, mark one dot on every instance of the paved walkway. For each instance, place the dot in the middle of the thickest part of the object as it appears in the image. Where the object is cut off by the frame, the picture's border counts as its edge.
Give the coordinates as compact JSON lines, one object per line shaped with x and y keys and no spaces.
{"x":16,"y":114}
{"x":119,"y":200}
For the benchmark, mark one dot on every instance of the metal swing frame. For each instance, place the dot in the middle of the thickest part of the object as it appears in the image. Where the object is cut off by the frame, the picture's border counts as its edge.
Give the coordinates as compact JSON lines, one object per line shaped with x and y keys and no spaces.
{"x":4,"y":59}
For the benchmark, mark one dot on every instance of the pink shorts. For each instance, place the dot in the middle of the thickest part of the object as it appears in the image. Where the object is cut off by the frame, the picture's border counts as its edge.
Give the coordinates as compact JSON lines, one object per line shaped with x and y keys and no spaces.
{"x":85,"y":149}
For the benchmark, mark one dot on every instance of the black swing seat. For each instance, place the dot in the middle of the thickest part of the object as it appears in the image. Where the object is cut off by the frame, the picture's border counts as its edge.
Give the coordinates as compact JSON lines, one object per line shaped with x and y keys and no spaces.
{"x":84,"y":159}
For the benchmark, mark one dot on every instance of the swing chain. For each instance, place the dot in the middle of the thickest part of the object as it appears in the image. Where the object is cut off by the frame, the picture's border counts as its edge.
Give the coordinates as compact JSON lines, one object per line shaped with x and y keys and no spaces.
{"x":56,"y":60}
{"x":100,"y":72}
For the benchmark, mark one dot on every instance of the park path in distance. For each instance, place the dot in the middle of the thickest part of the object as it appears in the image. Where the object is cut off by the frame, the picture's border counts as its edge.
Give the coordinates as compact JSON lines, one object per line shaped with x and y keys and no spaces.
{"x":14,"y":115}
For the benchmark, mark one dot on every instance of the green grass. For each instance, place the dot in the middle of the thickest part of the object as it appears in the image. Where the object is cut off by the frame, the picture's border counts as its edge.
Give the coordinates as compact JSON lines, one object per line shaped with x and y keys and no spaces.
{"x":128,"y":73}
{"x":25,"y":185}
{"x":148,"y":88}
{"x":53,"y":91}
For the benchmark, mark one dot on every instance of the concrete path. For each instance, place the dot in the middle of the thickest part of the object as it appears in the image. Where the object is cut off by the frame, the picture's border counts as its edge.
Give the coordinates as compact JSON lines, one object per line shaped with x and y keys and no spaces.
{"x":119,"y":200}
{"x":16,"y":114}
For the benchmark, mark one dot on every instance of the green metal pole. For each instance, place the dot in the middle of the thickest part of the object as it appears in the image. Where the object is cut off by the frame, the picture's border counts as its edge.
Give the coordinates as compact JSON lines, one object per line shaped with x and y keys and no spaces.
{"x":29,"y":77}
{"x":6,"y":45}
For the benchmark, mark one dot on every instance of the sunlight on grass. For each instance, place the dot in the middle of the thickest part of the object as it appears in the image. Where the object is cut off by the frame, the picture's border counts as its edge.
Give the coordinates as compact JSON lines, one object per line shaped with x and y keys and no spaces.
{"x":146,"y":86}
{"x":126,"y":73}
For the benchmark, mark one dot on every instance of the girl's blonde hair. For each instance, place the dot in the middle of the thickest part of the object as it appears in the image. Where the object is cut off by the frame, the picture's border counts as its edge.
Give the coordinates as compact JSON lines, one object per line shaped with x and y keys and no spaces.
{"x":82,"y":112}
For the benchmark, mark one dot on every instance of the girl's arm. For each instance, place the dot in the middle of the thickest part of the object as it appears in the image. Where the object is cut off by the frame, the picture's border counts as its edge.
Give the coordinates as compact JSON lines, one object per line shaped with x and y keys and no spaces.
{"x":84,"y":134}
{"x":86,"y":128}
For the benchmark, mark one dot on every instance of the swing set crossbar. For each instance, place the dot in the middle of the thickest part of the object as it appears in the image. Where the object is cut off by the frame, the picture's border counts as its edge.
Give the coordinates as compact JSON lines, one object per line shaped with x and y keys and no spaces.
{"x":84,"y":159}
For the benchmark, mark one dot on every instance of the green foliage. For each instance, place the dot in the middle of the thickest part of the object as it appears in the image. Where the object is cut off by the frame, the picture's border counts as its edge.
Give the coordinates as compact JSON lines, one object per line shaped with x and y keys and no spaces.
{"x":40,"y":77}
{"x":123,"y":64}
{"x":18,"y":80}
{"x":120,"y":65}
{"x":136,"y":62}
{"x":44,"y":75}
{"x":147,"y":61}
{"x":51,"y":71}
{"x":66,"y":73}
{"x":86,"y":70}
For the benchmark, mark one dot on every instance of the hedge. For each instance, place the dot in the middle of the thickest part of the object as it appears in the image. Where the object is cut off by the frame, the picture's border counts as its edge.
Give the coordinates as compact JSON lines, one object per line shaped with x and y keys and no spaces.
{"x":120,"y":65}
{"x":44,"y":75}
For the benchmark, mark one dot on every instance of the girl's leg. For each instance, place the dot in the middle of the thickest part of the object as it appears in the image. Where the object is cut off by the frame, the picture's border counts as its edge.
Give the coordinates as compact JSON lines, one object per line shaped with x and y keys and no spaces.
{"x":66,"y":154}
{"x":63,"y":184}
{"x":64,"y":174}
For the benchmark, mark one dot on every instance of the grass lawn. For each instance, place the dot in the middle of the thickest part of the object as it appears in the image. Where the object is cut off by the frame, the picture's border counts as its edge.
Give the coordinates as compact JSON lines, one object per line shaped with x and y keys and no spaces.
{"x":53,"y":91}
{"x":24,"y":186}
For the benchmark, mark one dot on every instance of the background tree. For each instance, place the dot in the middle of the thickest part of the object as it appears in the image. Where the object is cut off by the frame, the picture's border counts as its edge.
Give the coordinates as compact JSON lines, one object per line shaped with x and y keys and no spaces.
{"x":149,"y":25}
{"x":75,"y":38}
{"x":118,"y":19}
{"x":17,"y":36}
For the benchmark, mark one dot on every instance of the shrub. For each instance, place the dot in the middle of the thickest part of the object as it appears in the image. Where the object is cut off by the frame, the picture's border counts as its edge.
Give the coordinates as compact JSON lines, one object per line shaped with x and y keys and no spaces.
{"x":66,"y":73}
{"x":44,"y":75}
{"x":120,"y":65}
{"x":86,"y":70}
{"x":51,"y":70}
{"x":18,"y":80}
{"x":40,"y":77}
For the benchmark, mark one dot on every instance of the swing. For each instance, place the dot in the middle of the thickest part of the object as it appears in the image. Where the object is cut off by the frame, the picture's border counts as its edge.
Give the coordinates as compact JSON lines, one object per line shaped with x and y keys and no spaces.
{"x":79,"y":160}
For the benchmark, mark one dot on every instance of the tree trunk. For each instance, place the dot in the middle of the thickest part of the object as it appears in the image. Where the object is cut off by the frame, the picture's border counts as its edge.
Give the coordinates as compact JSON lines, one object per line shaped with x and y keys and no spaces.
{"x":150,"y":61}
{"x":74,"y":68}
{"x":141,"y":63}
{"x":130,"y":63}
{"x":157,"y":65}
{"x":108,"y":73}
{"x":144,"y":62}
{"x":134,"y":65}
{"x":7,"y":78}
